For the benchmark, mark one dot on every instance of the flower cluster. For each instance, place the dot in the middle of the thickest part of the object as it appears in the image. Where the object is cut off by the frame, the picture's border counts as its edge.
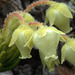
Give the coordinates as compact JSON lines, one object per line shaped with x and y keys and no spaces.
{"x":21,"y":32}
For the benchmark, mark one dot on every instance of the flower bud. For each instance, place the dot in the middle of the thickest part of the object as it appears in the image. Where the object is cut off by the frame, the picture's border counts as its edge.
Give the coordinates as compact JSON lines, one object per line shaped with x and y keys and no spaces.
{"x":46,"y":39}
{"x":59,"y":15}
{"x":27,"y":17}
{"x":23,"y":36}
{"x":68,"y":51}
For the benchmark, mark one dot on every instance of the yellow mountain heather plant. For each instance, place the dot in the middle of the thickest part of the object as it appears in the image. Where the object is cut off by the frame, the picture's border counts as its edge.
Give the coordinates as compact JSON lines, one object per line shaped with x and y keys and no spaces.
{"x":21,"y":32}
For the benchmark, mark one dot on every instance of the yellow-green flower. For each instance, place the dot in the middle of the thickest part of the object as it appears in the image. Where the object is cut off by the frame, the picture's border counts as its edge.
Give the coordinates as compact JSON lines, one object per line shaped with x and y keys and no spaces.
{"x":22,"y":37}
{"x":27,"y":17}
{"x":59,"y":15}
{"x":46,"y":39}
{"x":68,"y":51}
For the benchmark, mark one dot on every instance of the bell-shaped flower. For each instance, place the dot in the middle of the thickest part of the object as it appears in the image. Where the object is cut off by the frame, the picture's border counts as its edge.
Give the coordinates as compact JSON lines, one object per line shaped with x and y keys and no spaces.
{"x":27,"y":17}
{"x":22,"y":38}
{"x":46,"y":39}
{"x":59,"y":15}
{"x":68,"y":51}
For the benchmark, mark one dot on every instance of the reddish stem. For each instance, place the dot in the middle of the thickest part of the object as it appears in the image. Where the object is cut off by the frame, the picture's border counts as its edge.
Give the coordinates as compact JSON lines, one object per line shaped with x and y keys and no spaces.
{"x":38,"y":3}
{"x":14,"y":14}
{"x":35,"y":24}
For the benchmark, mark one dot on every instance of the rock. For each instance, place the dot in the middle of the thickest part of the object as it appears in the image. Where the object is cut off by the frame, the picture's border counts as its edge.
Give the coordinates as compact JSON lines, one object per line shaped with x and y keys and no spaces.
{"x":7,"y":73}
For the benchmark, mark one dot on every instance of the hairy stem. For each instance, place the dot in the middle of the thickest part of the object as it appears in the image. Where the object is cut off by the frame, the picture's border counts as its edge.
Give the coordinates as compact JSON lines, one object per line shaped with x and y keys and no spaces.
{"x":35,"y":24}
{"x":38,"y":3}
{"x":14,"y":14}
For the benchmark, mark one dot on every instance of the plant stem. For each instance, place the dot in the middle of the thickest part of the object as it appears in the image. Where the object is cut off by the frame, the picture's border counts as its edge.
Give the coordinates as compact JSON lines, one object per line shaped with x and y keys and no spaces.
{"x":65,"y":37}
{"x":36,"y":24}
{"x":14,"y":14}
{"x":39,"y":3}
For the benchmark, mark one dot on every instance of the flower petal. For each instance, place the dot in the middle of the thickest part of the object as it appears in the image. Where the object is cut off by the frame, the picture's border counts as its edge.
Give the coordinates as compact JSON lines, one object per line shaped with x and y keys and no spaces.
{"x":50,"y":61}
{"x":14,"y":37}
{"x":50,"y":14}
{"x":63,"y":9}
{"x":62,"y":22}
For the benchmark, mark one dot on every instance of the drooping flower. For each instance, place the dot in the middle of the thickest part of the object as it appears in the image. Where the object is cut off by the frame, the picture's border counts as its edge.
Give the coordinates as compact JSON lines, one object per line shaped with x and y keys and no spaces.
{"x":68,"y":51}
{"x":59,"y":15}
{"x":27,"y":17}
{"x":22,"y":38}
{"x":46,"y":39}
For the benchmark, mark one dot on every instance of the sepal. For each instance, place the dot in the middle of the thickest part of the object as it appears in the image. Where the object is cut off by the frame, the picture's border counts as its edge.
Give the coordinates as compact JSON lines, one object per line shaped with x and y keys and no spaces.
{"x":68,"y":51}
